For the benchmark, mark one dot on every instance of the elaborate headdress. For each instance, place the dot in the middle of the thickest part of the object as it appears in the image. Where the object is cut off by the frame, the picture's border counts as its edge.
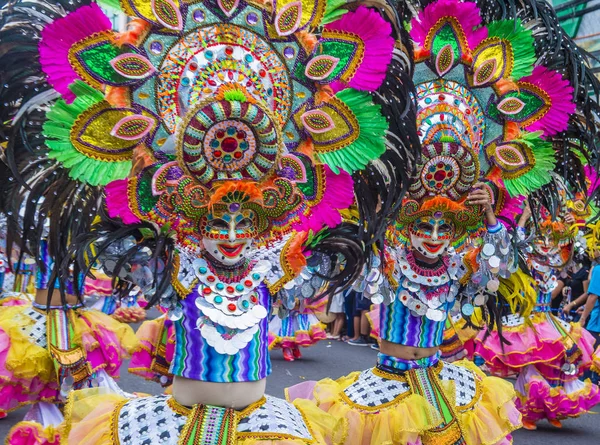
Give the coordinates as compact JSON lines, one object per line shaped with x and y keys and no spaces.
{"x":200,"y":105}
{"x":492,"y":107}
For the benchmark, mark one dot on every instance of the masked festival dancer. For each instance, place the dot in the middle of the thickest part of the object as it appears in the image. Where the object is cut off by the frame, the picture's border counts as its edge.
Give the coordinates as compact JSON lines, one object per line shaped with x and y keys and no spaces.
{"x":476,"y":114}
{"x":223,"y":135}
{"x":548,"y":354}
{"x":297,"y":326}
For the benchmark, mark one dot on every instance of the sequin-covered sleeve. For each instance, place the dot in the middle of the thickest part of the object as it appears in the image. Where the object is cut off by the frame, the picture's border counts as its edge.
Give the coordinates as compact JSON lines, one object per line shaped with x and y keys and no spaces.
{"x":479,"y":270}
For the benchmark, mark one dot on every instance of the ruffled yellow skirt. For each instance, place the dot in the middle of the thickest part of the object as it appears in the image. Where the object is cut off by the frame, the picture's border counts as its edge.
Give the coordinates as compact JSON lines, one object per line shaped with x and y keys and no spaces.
{"x":94,"y":417}
{"x":27,"y":369}
{"x":410,"y":418}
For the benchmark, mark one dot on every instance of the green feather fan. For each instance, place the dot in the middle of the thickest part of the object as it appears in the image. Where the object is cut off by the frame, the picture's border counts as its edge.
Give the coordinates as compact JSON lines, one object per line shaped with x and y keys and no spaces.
{"x":333,"y":11}
{"x":522,"y":44}
{"x":370,"y":143}
{"x":539,"y":174}
{"x":57,"y":131}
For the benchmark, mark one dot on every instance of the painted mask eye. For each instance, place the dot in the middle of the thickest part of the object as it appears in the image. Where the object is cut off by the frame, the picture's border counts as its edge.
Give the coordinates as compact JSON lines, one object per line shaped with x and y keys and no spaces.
{"x":425,"y":228}
{"x":217,"y":225}
{"x":245,"y":223}
{"x":445,"y":229}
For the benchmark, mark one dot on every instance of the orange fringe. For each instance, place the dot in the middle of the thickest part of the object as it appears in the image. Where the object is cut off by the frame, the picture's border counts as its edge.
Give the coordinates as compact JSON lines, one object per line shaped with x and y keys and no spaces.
{"x":308,"y":40}
{"x":249,"y":188}
{"x":118,"y":96}
{"x":136,"y":32}
{"x":294,"y":255}
{"x":307,"y":148}
{"x":442,"y":203}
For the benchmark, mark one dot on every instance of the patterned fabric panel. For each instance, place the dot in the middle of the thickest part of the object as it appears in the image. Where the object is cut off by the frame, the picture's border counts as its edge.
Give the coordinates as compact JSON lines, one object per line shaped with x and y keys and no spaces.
{"x":512,"y":320}
{"x":37,"y":331}
{"x":275,"y":416}
{"x":464,"y":381}
{"x":372,"y":390}
{"x":150,"y":420}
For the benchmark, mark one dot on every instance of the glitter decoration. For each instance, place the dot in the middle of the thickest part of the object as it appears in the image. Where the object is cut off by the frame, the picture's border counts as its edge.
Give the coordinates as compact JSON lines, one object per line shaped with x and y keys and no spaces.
{"x":232,"y":147}
{"x":133,"y":66}
{"x":288,"y":18}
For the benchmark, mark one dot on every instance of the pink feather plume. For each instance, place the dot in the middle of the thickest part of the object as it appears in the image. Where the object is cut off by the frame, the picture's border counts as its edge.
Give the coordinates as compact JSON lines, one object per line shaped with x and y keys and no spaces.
{"x":59,"y":36}
{"x":117,"y":202}
{"x":338,"y":195}
{"x":512,"y":208}
{"x":375,"y":32}
{"x":467,"y":14}
{"x":561,"y":97}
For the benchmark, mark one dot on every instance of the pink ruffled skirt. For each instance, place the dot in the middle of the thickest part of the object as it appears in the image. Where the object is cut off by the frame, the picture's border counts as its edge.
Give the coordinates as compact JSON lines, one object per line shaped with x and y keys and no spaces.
{"x":154,"y":354}
{"x":538,"y":399}
{"x":297,"y":329}
{"x":544,"y":343}
{"x":27,"y":369}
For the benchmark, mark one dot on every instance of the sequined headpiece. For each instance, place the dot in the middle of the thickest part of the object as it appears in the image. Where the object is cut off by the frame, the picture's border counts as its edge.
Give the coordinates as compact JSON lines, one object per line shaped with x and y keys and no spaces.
{"x":488,"y":110}
{"x":218,"y":93}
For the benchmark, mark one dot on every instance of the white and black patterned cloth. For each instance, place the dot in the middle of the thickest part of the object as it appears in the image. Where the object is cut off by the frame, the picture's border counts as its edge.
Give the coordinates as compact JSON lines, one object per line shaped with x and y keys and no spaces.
{"x":37,"y":330}
{"x":371,"y":390}
{"x":150,"y":420}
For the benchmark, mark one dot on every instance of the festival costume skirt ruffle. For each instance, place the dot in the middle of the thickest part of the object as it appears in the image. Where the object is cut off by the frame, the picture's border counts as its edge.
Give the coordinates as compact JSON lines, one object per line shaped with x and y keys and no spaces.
{"x":547,"y":342}
{"x":97,"y":418}
{"x":297,"y":329}
{"x":596,"y":361}
{"x":154,"y":355}
{"x":27,"y":369}
{"x":373,"y":317}
{"x":382,"y":408}
{"x":538,"y":399}
{"x":42,"y":426}
{"x":10,"y":299}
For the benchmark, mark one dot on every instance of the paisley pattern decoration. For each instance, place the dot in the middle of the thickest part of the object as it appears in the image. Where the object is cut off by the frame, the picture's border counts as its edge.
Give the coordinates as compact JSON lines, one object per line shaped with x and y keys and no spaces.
{"x":347,"y":48}
{"x":90,"y":137}
{"x":444,"y":60}
{"x":228,"y":6}
{"x":133,"y":128}
{"x":513,"y":158}
{"x":317,"y":121}
{"x":288,"y":19}
{"x":167,"y":13}
{"x":535,"y":104}
{"x":332,"y":125}
{"x":132,"y":66}
{"x":91,"y":59}
{"x":511,"y":105}
{"x":321,"y":67}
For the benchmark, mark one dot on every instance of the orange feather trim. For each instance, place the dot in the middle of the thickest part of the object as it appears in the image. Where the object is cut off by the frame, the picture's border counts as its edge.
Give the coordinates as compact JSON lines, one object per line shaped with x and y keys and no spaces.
{"x":324,"y":94}
{"x":442,"y":203}
{"x":248,"y":188}
{"x":137,"y":30}
{"x":307,"y":148}
{"x":294,"y":255}
{"x":118,"y":96}
{"x":308,"y":40}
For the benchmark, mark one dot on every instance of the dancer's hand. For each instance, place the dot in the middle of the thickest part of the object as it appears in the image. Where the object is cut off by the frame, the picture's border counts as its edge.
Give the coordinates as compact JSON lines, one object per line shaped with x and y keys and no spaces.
{"x":480,"y":196}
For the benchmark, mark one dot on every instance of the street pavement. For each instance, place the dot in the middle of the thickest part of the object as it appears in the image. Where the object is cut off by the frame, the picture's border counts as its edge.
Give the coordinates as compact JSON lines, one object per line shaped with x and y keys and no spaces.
{"x":334,"y":359}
